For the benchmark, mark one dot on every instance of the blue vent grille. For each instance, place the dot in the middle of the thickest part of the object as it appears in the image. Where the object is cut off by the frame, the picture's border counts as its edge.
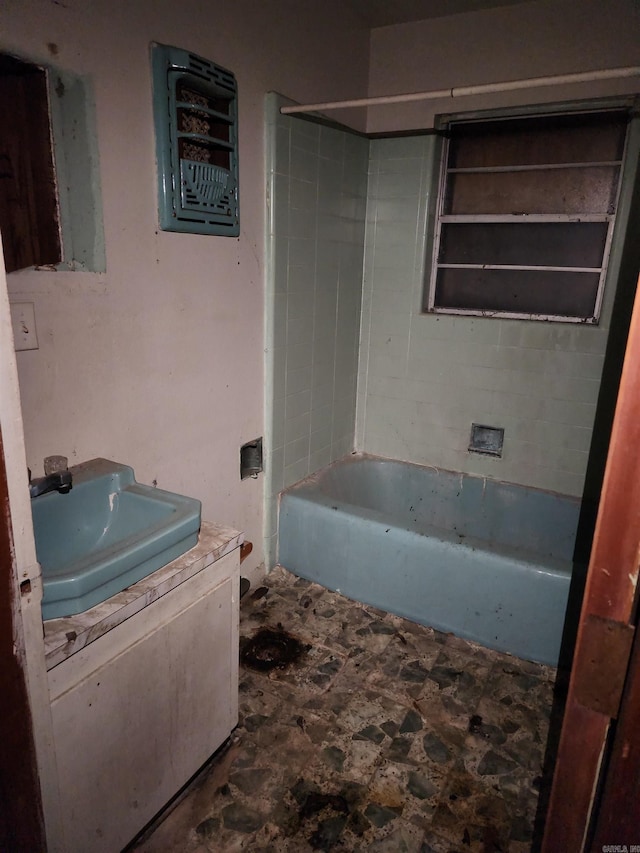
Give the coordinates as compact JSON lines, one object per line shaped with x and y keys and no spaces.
{"x":196,"y":109}
{"x":204,"y":185}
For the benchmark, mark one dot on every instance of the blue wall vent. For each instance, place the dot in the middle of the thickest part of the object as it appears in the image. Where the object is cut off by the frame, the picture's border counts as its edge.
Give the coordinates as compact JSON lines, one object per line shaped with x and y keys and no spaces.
{"x":196,"y":119}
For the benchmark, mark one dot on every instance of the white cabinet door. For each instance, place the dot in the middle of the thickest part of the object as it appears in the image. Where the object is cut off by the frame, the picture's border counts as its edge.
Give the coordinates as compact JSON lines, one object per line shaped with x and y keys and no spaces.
{"x":131,"y":730}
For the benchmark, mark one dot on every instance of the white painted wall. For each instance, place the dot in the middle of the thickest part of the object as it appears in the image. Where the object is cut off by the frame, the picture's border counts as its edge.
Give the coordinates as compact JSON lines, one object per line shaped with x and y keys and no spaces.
{"x":158,"y":362}
{"x":535,"y":39}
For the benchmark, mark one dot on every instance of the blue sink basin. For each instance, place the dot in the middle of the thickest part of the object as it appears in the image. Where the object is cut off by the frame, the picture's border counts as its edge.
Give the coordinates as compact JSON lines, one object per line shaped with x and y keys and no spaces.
{"x":107,"y":533}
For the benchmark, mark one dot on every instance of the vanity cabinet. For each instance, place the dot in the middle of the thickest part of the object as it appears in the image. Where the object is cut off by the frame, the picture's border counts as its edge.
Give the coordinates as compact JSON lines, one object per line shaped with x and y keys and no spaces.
{"x":139,"y":709}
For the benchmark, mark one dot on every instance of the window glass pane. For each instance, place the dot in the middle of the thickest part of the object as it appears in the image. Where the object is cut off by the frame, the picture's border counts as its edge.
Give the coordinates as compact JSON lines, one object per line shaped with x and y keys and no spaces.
{"x":552,"y":244}
{"x":508,"y":182}
{"x":583,"y":190}
{"x":549,"y":139}
{"x":565,"y":294}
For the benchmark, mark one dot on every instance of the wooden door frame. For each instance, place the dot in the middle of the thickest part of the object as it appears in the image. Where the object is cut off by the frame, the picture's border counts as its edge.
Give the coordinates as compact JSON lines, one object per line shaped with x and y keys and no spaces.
{"x":21,"y":581}
{"x":21,"y":816}
{"x":606,"y":631}
{"x":618,"y":813}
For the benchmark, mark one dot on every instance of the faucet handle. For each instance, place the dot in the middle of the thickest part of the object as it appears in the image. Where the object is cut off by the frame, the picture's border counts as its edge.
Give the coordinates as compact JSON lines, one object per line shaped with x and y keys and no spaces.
{"x":55,"y":464}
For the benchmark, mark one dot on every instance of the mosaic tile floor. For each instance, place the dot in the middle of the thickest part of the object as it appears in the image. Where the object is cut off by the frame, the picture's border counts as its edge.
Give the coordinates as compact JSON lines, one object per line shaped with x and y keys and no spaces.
{"x":384,"y":736}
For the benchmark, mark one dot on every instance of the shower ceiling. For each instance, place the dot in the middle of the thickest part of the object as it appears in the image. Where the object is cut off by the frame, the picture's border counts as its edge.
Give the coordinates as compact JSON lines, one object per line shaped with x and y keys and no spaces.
{"x":382,"y":13}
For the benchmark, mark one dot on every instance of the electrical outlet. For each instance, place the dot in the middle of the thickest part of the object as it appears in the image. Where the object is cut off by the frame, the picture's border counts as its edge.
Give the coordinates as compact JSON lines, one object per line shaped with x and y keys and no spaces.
{"x":23,"y":320}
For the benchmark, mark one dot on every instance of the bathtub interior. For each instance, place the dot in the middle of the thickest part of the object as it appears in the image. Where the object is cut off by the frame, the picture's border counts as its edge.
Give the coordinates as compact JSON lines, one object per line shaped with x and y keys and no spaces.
{"x":468,"y":507}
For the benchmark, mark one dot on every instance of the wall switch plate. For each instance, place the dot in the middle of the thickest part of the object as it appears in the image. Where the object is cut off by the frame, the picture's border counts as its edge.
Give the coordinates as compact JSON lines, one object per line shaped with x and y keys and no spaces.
{"x":23,"y":321}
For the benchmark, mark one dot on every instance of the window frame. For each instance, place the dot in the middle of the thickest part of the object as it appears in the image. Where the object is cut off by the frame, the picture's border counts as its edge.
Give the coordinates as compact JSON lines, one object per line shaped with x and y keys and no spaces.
{"x":74,"y":137}
{"x":441,"y":183}
{"x":71,"y":136}
{"x":29,"y":201}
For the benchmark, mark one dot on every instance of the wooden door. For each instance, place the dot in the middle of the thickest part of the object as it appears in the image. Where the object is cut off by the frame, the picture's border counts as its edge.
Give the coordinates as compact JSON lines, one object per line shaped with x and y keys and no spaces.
{"x":21,"y":820}
{"x":595,"y":758}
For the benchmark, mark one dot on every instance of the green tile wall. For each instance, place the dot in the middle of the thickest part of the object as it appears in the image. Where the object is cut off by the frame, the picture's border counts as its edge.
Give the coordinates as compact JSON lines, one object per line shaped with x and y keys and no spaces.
{"x":347,"y":251}
{"x":317,"y":179}
{"x":423,"y":379}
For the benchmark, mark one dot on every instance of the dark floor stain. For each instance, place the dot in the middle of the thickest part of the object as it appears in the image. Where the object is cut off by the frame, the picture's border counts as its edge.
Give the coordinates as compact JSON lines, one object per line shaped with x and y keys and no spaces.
{"x":333,"y":812}
{"x":491,"y":840}
{"x":475,"y":723}
{"x":358,"y":823}
{"x":489,"y":732}
{"x":260,"y":592}
{"x":269,"y":649}
{"x":316,"y":802}
{"x":328,"y":833}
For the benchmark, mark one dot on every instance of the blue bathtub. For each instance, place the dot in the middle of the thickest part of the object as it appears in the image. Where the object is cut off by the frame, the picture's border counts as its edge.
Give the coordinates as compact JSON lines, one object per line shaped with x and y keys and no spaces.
{"x":485,"y":560}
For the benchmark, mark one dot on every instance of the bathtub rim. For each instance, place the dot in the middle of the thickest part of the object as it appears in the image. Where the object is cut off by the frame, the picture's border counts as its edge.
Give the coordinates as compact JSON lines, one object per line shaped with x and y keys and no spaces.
{"x":360,"y":455}
{"x":302,"y":490}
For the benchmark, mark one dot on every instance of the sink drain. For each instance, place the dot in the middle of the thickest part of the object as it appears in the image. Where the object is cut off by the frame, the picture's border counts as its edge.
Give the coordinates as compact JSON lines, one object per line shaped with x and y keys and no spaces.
{"x":269,"y":649}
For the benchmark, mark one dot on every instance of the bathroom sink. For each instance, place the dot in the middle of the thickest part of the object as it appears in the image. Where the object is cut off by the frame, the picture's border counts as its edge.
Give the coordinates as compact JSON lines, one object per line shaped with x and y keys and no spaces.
{"x":107,"y":533}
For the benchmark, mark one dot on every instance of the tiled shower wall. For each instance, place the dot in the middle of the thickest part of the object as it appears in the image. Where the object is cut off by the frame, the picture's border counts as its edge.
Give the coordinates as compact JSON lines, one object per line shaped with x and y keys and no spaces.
{"x":424,"y":379}
{"x":317,"y":201}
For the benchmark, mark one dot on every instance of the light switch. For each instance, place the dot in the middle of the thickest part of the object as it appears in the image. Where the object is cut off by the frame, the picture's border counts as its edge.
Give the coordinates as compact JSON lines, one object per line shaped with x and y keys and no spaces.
{"x":23,"y":320}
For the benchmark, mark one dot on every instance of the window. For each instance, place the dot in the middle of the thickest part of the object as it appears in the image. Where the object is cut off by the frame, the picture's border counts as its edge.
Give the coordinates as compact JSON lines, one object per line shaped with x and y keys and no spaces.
{"x":525,"y":216}
{"x":29,"y":217}
{"x":50,"y":200}
{"x":195,"y":108}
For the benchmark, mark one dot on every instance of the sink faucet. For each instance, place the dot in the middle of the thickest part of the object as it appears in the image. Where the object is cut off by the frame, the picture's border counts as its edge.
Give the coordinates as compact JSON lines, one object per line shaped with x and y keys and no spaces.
{"x":60,"y":480}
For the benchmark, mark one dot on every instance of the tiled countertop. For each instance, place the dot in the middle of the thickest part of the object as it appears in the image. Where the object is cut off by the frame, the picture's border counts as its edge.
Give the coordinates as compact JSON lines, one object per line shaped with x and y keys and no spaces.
{"x":63,"y":637}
